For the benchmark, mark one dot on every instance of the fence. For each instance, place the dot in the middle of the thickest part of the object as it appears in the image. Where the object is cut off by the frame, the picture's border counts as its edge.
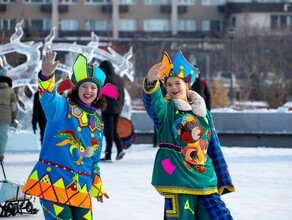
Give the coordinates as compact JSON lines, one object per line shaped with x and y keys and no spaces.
{"x":244,"y":129}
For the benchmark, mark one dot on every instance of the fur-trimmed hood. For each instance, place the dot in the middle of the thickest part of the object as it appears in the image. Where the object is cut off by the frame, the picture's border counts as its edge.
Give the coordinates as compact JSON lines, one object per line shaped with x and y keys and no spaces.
{"x":198,"y":107}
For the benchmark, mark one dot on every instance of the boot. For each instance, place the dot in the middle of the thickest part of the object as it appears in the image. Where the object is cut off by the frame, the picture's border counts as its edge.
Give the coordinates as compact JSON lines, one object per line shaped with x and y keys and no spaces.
{"x":106,"y":159}
{"x":120,"y":155}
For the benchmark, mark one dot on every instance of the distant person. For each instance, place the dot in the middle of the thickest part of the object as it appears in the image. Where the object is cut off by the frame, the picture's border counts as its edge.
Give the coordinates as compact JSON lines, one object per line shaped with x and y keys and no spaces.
{"x":200,"y":86}
{"x":8,"y":109}
{"x":111,"y":114}
{"x":38,"y":117}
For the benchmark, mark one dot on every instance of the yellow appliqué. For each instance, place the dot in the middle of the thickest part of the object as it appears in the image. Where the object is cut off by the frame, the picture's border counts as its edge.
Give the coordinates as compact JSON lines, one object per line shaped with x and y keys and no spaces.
{"x":172,"y":209}
{"x":48,"y":84}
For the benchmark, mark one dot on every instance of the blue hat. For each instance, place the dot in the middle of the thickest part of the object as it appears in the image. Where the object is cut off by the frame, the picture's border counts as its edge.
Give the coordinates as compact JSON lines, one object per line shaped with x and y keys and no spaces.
{"x":179,"y":67}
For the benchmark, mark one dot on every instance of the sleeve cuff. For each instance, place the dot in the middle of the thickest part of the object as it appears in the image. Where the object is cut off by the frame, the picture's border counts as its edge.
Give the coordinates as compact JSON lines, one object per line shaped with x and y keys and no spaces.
{"x":97,"y":187}
{"x":46,"y":83}
{"x":226,"y":189}
{"x":43,"y":77}
{"x":150,"y":88}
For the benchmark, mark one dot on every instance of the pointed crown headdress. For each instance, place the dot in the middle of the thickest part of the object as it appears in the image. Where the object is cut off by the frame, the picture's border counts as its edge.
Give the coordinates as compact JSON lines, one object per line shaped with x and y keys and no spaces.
{"x":179,"y":67}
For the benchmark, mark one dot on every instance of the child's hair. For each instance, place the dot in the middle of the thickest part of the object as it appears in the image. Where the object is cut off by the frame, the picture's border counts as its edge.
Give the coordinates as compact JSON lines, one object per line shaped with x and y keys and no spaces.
{"x":99,"y":103}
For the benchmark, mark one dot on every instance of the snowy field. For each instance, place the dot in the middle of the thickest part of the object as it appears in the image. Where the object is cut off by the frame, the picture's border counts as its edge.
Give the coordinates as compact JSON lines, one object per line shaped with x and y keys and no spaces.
{"x":262,"y":177}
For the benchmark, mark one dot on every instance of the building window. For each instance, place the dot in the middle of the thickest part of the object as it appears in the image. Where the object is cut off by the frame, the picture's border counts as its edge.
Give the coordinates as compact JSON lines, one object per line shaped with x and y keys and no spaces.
{"x":241,"y":1}
{"x":270,"y":1}
{"x":274,"y":22}
{"x":186,"y":25}
{"x":281,"y":22}
{"x":98,"y":25}
{"x":69,"y":25}
{"x":37,"y":1}
{"x":127,"y":2}
{"x":215,"y":2}
{"x":40,"y":25}
{"x":7,"y":1}
{"x":67,"y":1}
{"x":156,"y":2}
{"x":156,"y":25}
{"x":186,"y":2}
{"x":212,"y":25}
{"x":7,"y":24}
{"x":98,"y":1}
{"x":216,"y":26}
{"x":127,"y":25}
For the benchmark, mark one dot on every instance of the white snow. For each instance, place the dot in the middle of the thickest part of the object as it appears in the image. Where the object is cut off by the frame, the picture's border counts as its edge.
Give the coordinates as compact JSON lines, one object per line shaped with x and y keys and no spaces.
{"x":262,"y":177}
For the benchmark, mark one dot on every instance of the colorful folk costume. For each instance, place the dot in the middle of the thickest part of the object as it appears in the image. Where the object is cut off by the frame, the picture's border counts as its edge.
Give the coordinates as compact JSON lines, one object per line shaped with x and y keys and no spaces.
{"x":189,"y":169}
{"x":67,"y":172}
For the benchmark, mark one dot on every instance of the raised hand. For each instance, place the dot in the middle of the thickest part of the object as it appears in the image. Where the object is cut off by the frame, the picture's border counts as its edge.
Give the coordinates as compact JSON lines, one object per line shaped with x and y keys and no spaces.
{"x":49,"y":65}
{"x":155,"y":72}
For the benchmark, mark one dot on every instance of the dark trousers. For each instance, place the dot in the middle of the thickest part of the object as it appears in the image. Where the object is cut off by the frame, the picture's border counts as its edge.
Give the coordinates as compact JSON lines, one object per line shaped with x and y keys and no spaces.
{"x":42,"y":131}
{"x":110,"y":133}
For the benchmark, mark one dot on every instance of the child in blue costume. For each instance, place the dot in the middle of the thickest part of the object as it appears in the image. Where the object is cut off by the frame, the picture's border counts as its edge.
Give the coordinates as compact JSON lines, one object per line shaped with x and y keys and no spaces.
{"x":67,"y":174}
{"x":189,"y":168}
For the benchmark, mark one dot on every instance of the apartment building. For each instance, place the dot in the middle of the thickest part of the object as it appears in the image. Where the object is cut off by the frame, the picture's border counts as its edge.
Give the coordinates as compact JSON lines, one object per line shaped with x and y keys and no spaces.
{"x":117,"y":18}
{"x":142,"y":18}
{"x":259,"y":17}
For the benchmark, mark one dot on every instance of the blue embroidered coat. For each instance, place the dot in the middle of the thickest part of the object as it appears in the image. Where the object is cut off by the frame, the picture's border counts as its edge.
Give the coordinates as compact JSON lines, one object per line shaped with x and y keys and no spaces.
{"x":67,"y":171}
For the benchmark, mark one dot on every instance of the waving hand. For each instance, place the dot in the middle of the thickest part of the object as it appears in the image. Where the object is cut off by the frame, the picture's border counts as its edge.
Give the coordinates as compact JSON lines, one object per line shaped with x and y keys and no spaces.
{"x":49,"y":65}
{"x":155,"y":72}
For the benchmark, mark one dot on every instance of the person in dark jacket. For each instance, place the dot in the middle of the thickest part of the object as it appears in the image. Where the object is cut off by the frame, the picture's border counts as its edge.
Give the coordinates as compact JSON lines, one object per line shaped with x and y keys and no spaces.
{"x":200,"y":86}
{"x":38,"y":116}
{"x":111,"y":114}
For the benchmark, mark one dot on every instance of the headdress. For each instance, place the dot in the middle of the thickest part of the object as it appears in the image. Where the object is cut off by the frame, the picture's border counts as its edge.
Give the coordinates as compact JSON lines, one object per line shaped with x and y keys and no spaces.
{"x":82,"y":73}
{"x":179,"y":67}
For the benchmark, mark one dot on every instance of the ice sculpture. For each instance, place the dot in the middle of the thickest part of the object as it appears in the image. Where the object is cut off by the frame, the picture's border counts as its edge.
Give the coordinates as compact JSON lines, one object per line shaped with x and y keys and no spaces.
{"x":24,"y":76}
{"x":92,"y":52}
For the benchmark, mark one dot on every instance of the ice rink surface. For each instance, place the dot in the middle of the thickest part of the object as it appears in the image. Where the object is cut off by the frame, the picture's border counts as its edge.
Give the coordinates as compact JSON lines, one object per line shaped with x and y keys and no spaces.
{"x":262,"y":177}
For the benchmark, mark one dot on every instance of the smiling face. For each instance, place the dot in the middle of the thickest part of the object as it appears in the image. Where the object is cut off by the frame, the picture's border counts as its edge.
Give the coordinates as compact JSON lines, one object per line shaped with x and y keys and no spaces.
{"x":87,"y":92}
{"x":177,"y":88}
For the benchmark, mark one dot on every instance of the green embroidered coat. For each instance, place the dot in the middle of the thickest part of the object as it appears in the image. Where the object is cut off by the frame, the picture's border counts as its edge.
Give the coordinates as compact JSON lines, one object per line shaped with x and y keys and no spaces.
{"x":189,"y":159}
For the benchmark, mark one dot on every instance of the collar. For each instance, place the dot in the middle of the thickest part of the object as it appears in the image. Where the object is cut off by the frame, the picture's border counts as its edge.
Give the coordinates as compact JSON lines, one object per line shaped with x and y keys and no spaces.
{"x":198,"y":107}
{"x":87,"y":108}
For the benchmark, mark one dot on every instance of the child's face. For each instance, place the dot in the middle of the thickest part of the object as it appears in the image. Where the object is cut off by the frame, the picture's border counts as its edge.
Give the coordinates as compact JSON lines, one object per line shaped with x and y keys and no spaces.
{"x":177,"y":88}
{"x":87,"y":92}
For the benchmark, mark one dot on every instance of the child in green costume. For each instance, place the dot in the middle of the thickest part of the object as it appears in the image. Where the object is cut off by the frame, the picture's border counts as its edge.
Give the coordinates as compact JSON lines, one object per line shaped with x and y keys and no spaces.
{"x":189,"y":168}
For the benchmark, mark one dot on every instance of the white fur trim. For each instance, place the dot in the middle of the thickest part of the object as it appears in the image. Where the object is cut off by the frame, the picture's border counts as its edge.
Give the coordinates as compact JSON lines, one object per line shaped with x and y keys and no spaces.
{"x":198,"y":107}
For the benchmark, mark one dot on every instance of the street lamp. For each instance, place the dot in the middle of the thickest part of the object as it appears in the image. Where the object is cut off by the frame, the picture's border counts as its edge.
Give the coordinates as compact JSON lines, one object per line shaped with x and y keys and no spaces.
{"x":231,"y":35}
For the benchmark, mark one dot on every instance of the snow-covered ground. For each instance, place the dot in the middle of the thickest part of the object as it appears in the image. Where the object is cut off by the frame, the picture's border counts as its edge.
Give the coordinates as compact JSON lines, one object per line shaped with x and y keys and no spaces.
{"x":262,"y":177}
